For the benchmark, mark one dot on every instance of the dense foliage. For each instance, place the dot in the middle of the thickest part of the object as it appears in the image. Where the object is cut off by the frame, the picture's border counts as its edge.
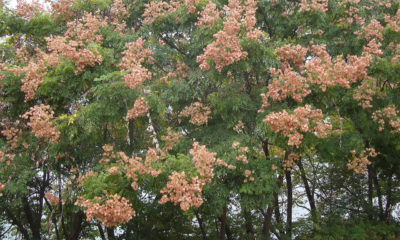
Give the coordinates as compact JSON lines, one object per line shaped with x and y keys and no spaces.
{"x":200,"y":119}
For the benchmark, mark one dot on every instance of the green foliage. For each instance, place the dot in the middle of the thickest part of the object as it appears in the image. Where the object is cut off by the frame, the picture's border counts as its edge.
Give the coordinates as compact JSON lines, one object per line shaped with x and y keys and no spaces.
{"x":90,"y":113}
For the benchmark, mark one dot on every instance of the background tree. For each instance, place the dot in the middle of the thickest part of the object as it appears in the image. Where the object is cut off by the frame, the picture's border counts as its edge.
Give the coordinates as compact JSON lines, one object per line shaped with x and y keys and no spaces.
{"x":200,"y":119}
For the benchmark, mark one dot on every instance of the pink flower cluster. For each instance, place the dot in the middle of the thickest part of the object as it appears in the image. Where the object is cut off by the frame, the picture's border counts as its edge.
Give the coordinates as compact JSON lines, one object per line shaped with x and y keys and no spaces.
{"x":226,"y":49}
{"x":303,"y":120}
{"x":353,"y":15}
{"x":29,"y":9}
{"x":290,"y":162}
{"x":34,"y":76}
{"x":321,"y":70}
{"x":286,"y":83}
{"x":132,"y":61}
{"x":188,"y":193}
{"x":6,"y":157}
{"x":197,"y":112}
{"x":53,"y":200}
{"x":390,"y":114}
{"x":203,"y":161}
{"x":12,"y":136}
{"x":373,"y":30}
{"x":372,"y":33}
{"x":239,"y":127}
{"x":295,"y":55}
{"x":372,"y":49}
{"x":135,"y":166}
{"x":248,"y":175}
{"x":170,"y":140}
{"x":250,"y":20}
{"x":394,"y":22}
{"x":208,"y":16}
{"x":110,"y":211}
{"x":119,"y":14}
{"x":366,"y":91}
{"x":191,"y":5}
{"x":63,"y":8}
{"x":396,"y":51}
{"x":139,"y":109}
{"x":108,"y":154}
{"x":179,"y":73}
{"x":154,"y":10}
{"x":86,"y":30}
{"x":241,"y":152}
{"x":34,"y":72}
{"x":316,"y":5}
{"x":359,"y":163}
{"x":113,"y":170}
{"x":40,"y":117}
{"x":73,"y":44}
{"x":294,"y":78}
{"x":86,"y":176}
{"x":179,"y":190}
{"x":75,"y":51}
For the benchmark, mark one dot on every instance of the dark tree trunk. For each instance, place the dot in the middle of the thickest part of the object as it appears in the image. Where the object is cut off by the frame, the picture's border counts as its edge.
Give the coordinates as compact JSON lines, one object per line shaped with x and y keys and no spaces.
{"x":310,"y":195}
{"x":289,"y":204}
{"x":270,"y":210}
{"x":267,"y":222}
{"x":101,"y":231}
{"x":268,"y":215}
{"x":110,"y":233}
{"x":16,"y":222}
{"x":76,"y":225}
{"x":34,"y":223}
{"x":222,"y":219}
{"x":249,"y":224}
{"x":224,"y":228}
{"x":228,"y":232}
{"x":277,"y":210}
{"x":389,"y":198}
{"x":370,"y":193}
{"x":53,"y":218}
{"x":203,"y":232}
{"x":275,"y":206}
{"x":216,"y":226}
{"x":378,"y":192}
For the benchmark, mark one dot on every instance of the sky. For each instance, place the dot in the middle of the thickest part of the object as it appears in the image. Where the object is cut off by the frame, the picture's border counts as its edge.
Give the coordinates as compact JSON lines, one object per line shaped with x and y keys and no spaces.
{"x":12,"y":3}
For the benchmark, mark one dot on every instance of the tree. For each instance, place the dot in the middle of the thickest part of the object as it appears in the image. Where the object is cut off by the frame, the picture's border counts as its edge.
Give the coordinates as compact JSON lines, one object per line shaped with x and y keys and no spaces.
{"x":200,"y":119}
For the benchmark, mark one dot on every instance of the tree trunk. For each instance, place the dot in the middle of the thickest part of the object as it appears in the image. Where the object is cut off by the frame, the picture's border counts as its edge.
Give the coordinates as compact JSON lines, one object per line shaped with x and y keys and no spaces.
{"x":277,"y":211}
{"x":310,"y":195}
{"x":16,"y":222}
{"x":101,"y":231}
{"x":76,"y":225}
{"x":275,"y":206}
{"x":222,"y":219}
{"x":289,"y":204}
{"x":249,"y":224}
{"x":267,"y":222}
{"x":224,"y":228}
{"x":34,"y":224}
{"x":268,"y":215}
{"x":110,"y":233}
{"x":203,"y":232}
{"x":378,"y":192}
{"x":370,"y":193}
{"x":389,"y":198}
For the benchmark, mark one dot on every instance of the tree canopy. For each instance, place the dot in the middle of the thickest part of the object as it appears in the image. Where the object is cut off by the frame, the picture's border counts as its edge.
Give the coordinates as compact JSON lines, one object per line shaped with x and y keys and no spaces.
{"x":200,"y":119}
